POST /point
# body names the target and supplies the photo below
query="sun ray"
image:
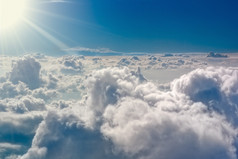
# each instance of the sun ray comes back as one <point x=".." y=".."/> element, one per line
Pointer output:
<point x="61" y="17"/>
<point x="70" y="19"/>
<point x="19" y="41"/>
<point x="54" y="31"/>
<point x="47" y="35"/>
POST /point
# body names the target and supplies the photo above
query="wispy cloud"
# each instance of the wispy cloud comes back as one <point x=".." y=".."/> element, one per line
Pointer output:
<point x="98" y="50"/>
<point x="101" y="51"/>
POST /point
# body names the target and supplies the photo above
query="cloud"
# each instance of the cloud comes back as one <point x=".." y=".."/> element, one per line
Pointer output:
<point x="69" y="126"/>
<point x="26" y="70"/>
<point x="71" y="64"/>
<point x="212" y="54"/>
<point x="107" y="86"/>
<point x="168" y="55"/>
<point x="135" y="58"/>
<point x="62" y="135"/>
<point x="149" y="123"/>
<point x="45" y="94"/>
<point x="124" y="62"/>
<point x="215" y="87"/>
<point x="9" y="146"/>
<point x="115" y="112"/>
<point x="142" y="131"/>
<point x="122" y="116"/>
<point x="22" y="105"/>
<point x="19" y="128"/>
<point x="101" y="51"/>
<point x="6" y="147"/>
<point x="9" y="90"/>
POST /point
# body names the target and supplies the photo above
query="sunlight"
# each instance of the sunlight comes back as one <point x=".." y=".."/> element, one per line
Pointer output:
<point x="47" y="35"/>
<point x="11" y="13"/>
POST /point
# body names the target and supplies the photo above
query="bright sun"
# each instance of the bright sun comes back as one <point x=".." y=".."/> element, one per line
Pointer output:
<point x="11" y="13"/>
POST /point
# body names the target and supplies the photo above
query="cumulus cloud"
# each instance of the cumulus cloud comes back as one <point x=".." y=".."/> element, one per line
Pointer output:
<point x="122" y="116"/>
<point x="9" y="90"/>
<point x="71" y="64"/>
<point x="22" y="105"/>
<point x="62" y="134"/>
<point x="107" y="86"/>
<point x="147" y="132"/>
<point x="212" y="54"/>
<point x="124" y="62"/>
<point x="6" y="147"/>
<point x="45" y="94"/>
<point x="135" y="58"/>
<point x="215" y="87"/>
<point x="60" y="108"/>
<point x="26" y="70"/>
<point x="18" y="129"/>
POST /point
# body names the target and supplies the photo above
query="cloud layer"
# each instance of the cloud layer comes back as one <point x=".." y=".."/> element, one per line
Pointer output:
<point x="62" y="109"/>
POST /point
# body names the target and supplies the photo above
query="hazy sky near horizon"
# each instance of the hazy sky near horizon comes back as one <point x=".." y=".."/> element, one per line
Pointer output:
<point x="125" y="26"/>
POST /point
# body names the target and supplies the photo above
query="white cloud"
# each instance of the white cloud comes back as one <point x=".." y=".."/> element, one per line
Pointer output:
<point x="107" y="86"/>
<point x="89" y="112"/>
<point x="103" y="51"/>
<point x="130" y="118"/>
<point x="124" y="62"/>
<point x="9" y="146"/>
<point x="6" y="147"/>
<point x="26" y="70"/>
<point x="45" y="94"/>
<point x="147" y="132"/>
<point x="71" y="64"/>
<point x="22" y="105"/>
<point x="9" y="90"/>
<point x="215" y="87"/>
<point x="64" y="131"/>
<point x="98" y="50"/>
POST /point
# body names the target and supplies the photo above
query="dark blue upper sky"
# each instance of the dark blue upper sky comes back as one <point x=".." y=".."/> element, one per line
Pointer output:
<point x="162" y="25"/>
<point x="132" y="25"/>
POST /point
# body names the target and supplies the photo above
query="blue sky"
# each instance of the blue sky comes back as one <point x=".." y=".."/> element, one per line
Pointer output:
<point x="154" y="26"/>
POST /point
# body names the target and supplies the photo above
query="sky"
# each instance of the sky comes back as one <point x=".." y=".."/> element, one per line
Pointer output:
<point x="55" y="104"/>
<point x="54" y="27"/>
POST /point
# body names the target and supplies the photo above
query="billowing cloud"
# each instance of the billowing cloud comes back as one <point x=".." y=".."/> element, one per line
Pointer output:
<point x="66" y="130"/>
<point x="9" y="90"/>
<point x="215" y="87"/>
<point x="131" y="118"/>
<point x="69" y="107"/>
<point x="26" y="70"/>
<point x="71" y="64"/>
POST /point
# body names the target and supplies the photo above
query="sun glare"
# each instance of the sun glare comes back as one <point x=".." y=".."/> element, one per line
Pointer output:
<point x="11" y="13"/>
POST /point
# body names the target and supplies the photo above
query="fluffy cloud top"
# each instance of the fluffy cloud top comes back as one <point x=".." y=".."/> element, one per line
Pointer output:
<point x="59" y="108"/>
<point x="134" y="119"/>
<point x="71" y="64"/>
<point x="26" y="70"/>
<point x="217" y="88"/>
<point x="9" y="90"/>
